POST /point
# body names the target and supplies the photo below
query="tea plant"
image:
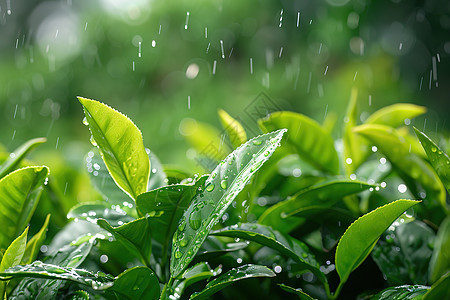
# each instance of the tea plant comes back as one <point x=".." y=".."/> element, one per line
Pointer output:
<point x="279" y="214"/>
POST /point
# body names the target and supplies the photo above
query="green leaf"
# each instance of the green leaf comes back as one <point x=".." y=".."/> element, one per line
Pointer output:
<point x="38" y="269"/>
<point x="403" y="252"/>
<point x="157" y="176"/>
<point x="440" y="259"/>
<point x="135" y="284"/>
<point x="396" y="114"/>
<point x="360" y="238"/>
<point x="19" y="192"/>
<point x="309" y="139"/>
<point x="410" y="167"/>
<point x="440" y="289"/>
<point x="12" y="257"/>
<point x="236" y="133"/>
<point x="35" y="243"/>
<point x="438" y="159"/>
<point x="134" y="235"/>
<point x="242" y="272"/>
<point x="285" y="244"/>
<point x="121" y="146"/>
<point x="16" y="157"/>
<point x="301" y="294"/>
<point x="165" y="206"/>
<point x="102" y="180"/>
<point x="222" y="186"/>
<point x="404" y="292"/>
<point x="194" y="274"/>
<point x="324" y="194"/>
<point x="99" y="210"/>
<point x="80" y="295"/>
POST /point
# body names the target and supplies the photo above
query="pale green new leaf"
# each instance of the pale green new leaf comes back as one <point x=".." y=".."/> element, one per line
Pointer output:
<point x="309" y="139"/>
<point x="92" y="211"/>
<point x="438" y="159"/>
<point x="35" y="243"/>
<point x="236" y="133"/>
<point x="396" y="114"/>
<point x="19" y="196"/>
<point x="18" y="154"/>
<point x="361" y="236"/>
<point x="121" y="145"/>
<point x="222" y="186"/>
<point x="242" y="272"/>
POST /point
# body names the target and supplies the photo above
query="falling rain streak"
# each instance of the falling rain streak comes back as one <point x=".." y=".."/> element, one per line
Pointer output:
<point x="281" y="18"/>
<point x="221" y="48"/>
<point x="139" y="53"/>
<point x="298" y="19"/>
<point x="187" y="21"/>
<point x="214" y="67"/>
<point x="251" y="65"/>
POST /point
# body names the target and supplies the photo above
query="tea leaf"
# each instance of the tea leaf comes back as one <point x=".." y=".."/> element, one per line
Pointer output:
<point x="360" y="238"/>
<point x="301" y="294"/>
<point x="158" y="177"/>
<point x="439" y="290"/>
<point x="407" y="292"/>
<point x="440" y="259"/>
<point x="222" y="186"/>
<point x="139" y="283"/>
<point x="14" y="160"/>
<point x="308" y="138"/>
<point x="242" y="272"/>
<point x="121" y="145"/>
<point x="19" y="192"/>
<point x="35" y="243"/>
<point x="99" y="210"/>
<point x="236" y="133"/>
<point x="396" y="114"/>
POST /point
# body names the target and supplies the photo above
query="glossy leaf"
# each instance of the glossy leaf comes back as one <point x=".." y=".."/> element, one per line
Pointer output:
<point x="102" y="180"/>
<point x="438" y="159"/>
<point x="134" y="235"/>
<point x="222" y="186"/>
<point x="80" y="295"/>
<point x="38" y="269"/>
<point x="301" y="294"/>
<point x="158" y="177"/>
<point x="404" y="292"/>
<point x="396" y="114"/>
<point x="19" y="195"/>
<point x="194" y="274"/>
<point x="35" y="243"/>
<point x="236" y="133"/>
<point x="13" y="256"/>
<point x="121" y="145"/>
<point x="440" y="259"/>
<point x="360" y="238"/>
<point x="324" y="194"/>
<point x="440" y="289"/>
<point x="409" y="166"/>
<point x="138" y="283"/>
<point x="18" y="155"/>
<point x="100" y="210"/>
<point x="242" y="272"/>
<point x="309" y="139"/>
<point x="165" y="206"/>
<point x="403" y="252"/>
<point x="285" y="244"/>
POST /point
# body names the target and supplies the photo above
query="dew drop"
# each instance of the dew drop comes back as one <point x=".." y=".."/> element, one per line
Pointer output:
<point x="195" y="219"/>
<point x="210" y="187"/>
<point x="433" y="149"/>
<point x="93" y="142"/>
<point x="85" y="121"/>
<point x="224" y="184"/>
<point x="257" y="142"/>
<point x="178" y="254"/>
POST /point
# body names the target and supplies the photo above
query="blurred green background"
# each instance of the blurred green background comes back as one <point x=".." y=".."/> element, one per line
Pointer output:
<point x="164" y="63"/>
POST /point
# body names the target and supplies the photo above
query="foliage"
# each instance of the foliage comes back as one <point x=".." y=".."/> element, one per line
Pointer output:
<point x="282" y="215"/>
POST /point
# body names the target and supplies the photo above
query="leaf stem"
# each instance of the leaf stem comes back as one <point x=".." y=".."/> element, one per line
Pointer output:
<point x="164" y="291"/>
<point x="338" y="290"/>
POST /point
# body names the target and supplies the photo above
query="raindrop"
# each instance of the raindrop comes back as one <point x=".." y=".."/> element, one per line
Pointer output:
<point x="277" y="269"/>
<point x="93" y="142"/>
<point x="104" y="258"/>
<point x="402" y="188"/>
<point x="210" y="187"/>
<point x="224" y="184"/>
<point x="153" y="43"/>
<point x="382" y="160"/>
<point x="256" y="142"/>
<point x="348" y="161"/>
<point x="195" y="219"/>
<point x="85" y="121"/>
<point x="374" y="148"/>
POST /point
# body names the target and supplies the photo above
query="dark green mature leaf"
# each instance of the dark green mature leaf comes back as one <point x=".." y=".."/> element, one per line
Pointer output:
<point x="409" y="166"/>
<point x="403" y="253"/>
<point x="19" y="196"/>
<point x="285" y="244"/>
<point x="360" y="238"/>
<point x="222" y="186"/>
<point x="440" y="259"/>
<point x="242" y="272"/>
<point x="301" y="294"/>
<point x="309" y="139"/>
<point x="323" y="194"/>
<point x="396" y="114"/>
<point x="13" y="256"/>
<point x="121" y="145"/>
<point x="80" y="295"/>
<point x="35" y="243"/>
<point x="102" y="180"/>
<point x="236" y="133"/>
<point x="165" y="206"/>
<point x="100" y="210"/>
<point x="38" y="269"/>
<point x="196" y="273"/>
<point x="16" y="157"/>
<point x="440" y="289"/>
<point x="404" y="292"/>
<point x="438" y="159"/>
<point x="138" y="283"/>
<point x="134" y="235"/>
<point x="158" y="177"/>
